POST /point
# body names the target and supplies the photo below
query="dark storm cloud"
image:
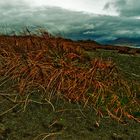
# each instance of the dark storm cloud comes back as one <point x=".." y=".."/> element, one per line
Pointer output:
<point x="129" y="8"/>
<point x="66" y="23"/>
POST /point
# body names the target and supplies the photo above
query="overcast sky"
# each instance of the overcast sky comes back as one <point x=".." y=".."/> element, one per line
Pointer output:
<point x="109" y="7"/>
<point x="92" y="6"/>
<point x="99" y="18"/>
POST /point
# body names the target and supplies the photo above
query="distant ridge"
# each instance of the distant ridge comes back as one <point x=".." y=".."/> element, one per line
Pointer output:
<point x="88" y="45"/>
<point x="131" y="42"/>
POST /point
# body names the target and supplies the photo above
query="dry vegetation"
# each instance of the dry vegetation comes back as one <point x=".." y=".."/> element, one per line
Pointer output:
<point x="55" y="68"/>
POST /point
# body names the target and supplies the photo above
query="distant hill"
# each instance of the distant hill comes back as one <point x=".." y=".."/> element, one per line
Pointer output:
<point x="88" y="45"/>
<point x="131" y="42"/>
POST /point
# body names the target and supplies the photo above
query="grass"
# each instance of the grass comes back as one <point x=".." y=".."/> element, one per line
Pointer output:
<point x="45" y="66"/>
<point x="57" y="71"/>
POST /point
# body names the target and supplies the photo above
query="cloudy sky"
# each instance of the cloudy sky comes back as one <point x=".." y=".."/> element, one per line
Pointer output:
<point x="92" y="6"/>
<point x="97" y="19"/>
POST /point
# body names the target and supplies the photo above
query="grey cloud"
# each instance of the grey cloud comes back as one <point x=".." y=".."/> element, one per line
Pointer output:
<point x="129" y="8"/>
<point x="76" y="25"/>
<point x="6" y="5"/>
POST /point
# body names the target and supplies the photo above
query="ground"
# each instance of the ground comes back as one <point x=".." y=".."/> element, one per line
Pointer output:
<point x="65" y="120"/>
<point x="68" y="121"/>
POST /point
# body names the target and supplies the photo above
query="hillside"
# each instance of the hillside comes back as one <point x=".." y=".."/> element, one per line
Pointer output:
<point x="56" y="88"/>
<point x="132" y="42"/>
